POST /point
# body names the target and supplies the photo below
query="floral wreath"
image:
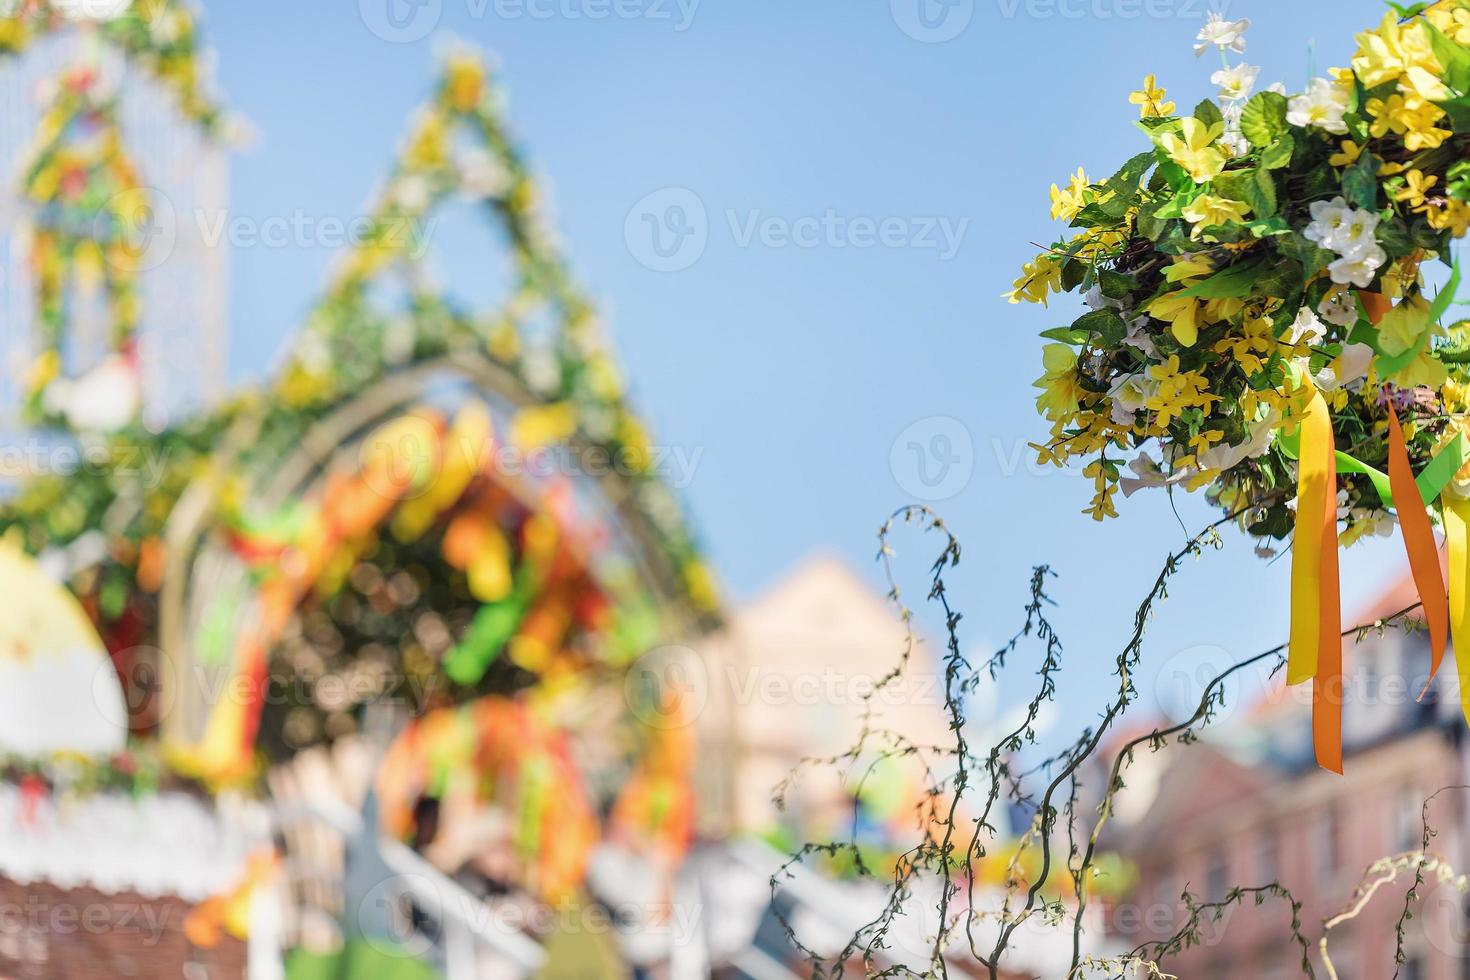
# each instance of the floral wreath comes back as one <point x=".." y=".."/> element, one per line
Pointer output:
<point x="1259" y="317"/>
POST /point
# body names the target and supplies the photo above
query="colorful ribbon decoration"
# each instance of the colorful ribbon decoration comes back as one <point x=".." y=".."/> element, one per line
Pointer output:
<point x="1315" y="650"/>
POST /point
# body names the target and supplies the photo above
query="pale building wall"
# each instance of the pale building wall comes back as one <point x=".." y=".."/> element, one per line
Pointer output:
<point x="790" y="674"/>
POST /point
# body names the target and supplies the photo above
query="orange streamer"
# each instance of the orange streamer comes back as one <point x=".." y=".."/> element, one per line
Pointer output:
<point x="1419" y="542"/>
<point x="1327" y="686"/>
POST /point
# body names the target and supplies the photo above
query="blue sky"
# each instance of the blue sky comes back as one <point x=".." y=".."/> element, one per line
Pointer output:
<point x="830" y="148"/>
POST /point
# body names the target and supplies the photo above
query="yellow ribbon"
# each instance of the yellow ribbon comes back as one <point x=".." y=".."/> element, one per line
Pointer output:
<point x="1315" y="650"/>
<point x="1316" y="527"/>
<point x="1457" y="536"/>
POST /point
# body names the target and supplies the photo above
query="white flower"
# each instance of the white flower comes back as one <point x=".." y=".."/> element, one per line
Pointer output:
<point x="1328" y="219"/>
<point x="1352" y="364"/>
<point x="1221" y="33"/>
<point x="1342" y="228"/>
<point x="1128" y="396"/>
<point x="1323" y="106"/>
<point x="1358" y="233"/>
<point x="1221" y="457"/>
<point x="1278" y="87"/>
<point x="1147" y="474"/>
<point x="481" y="175"/>
<point x="1306" y="328"/>
<point x="1236" y="83"/>
<point x="1138" y="337"/>
<point x="411" y="193"/>
<point x="1358" y="267"/>
<point x="1338" y="308"/>
<point x="1095" y="299"/>
<point x="1235" y="143"/>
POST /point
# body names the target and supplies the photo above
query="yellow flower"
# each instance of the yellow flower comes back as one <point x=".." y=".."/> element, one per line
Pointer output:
<point x="1347" y="156"/>
<point x="1412" y="118"/>
<point x="1187" y="270"/>
<point x="1150" y="99"/>
<point x="1182" y="313"/>
<point x="1061" y="391"/>
<point x="1417" y="83"/>
<point x="1415" y="187"/>
<point x="1195" y="150"/>
<point x="1177" y="391"/>
<point x="1454" y="215"/>
<point x="1402" y="326"/>
<point x="1066" y="203"/>
<point x="1453" y="24"/>
<point x="1037" y="277"/>
<point x="1251" y="346"/>
<point x="1207" y="210"/>
<point x="1424" y="371"/>
<point x="1385" y="54"/>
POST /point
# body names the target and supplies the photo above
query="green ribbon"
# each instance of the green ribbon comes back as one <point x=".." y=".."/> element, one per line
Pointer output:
<point x="1431" y="481"/>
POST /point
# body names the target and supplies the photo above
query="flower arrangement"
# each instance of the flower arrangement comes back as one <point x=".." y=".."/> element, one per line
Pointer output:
<point x="160" y="36"/>
<point x="1259" y="323"/>
<point x="86" y="197"/>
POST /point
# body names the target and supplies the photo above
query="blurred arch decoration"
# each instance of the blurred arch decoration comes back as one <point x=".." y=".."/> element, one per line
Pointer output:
<point x="295" y="521"/>
<point x="348" y="379"/>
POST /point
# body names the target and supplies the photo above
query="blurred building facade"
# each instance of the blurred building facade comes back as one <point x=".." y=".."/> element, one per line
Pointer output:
<point x="1247" y="806"/>
<point x="791" y="674"/>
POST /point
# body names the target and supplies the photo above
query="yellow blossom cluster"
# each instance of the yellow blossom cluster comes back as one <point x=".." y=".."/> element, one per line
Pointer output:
<point x="1403" y="53"/>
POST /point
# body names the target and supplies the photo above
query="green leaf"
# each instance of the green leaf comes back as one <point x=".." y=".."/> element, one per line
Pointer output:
<point x="1360" y="182"/>
<point x="1269" y="227"/>
<point x="1319" y="183"/>
<point x="1174" y="207"/>
<point x="1231" y="282"/>
<point x="1280" y="278"/>
<point x="1067" y="335"/>
<point x="1094" y="216"/>
<point x="1208" y="112"/>
<point x="1454" y="57"/>
<point x="1121" y="189"/>
<point x="1115" y="285"/>
<point x="1394" y="237"/>
<point x="1233" y="184"/>
<point x="1278" y="154"/>
<point x="1073" y="273"/>
<point x="1459" y="112"/>
<point x="1261" y="194"/>
<point x="1446" y="295"/>
<point x="1263" y="120"/>
<point x="1106" y="324"/>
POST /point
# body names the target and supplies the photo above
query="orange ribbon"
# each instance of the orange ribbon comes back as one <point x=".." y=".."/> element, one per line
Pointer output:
<point x="1418" y="542"/>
